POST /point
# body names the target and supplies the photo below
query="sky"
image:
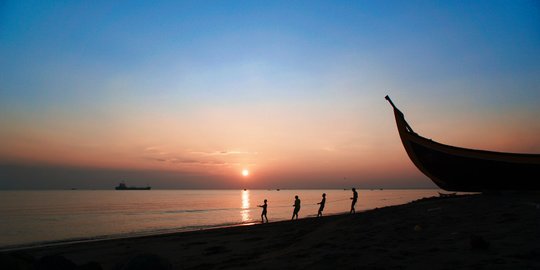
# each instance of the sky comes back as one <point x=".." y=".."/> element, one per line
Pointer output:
<point x="187" y="94"/>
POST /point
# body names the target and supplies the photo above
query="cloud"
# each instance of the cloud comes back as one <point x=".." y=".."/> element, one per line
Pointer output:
<point x="155" y="159"/>
<point x="155" y="150"/>
<point x="223" y="153"/>
<point x="190" y="161"/>
<point x="194" y="158"/>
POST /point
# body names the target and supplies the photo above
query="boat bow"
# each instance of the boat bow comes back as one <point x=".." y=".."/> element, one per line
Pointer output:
<point x="461" y="169"/>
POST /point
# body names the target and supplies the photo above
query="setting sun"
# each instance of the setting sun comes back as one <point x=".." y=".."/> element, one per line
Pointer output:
<point x="245" y="172"/>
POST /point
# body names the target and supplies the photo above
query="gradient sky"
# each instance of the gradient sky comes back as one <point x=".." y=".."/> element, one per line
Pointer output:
<point x="185" y="94"/>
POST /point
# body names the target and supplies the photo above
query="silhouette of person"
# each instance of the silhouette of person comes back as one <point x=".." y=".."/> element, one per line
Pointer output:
<point x="321" y="208"/>
<point x="263" y="214"/>
<point x="354" y="198"/>
<point x="296" y="207"/>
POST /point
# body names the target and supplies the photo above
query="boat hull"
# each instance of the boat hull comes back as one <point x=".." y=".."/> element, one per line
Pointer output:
<point x="123" y="186"/>
<point x="133" y="188"/>
<point x="466" y="172"/>
<point x="469" y="170"/>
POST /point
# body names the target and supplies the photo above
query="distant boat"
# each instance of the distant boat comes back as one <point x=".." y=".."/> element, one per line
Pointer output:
<point x="122" y="186"/>
<point x="469" y="170"/>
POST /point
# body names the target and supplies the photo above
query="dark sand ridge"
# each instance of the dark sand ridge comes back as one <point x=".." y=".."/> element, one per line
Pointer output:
<point x="473" y="232"/>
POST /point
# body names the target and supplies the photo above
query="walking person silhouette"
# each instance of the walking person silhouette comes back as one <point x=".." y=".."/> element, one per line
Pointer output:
<point x="263" y="214"/>
<point x="321" y="208"/>
<point x="296" y="207"/>
<point x="354" y="198"/>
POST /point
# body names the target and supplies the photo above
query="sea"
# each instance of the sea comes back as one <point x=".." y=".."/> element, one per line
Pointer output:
<point x="36" y="218"/>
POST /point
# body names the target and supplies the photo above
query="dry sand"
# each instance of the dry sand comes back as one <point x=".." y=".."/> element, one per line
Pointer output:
<point x="471" y="232"/>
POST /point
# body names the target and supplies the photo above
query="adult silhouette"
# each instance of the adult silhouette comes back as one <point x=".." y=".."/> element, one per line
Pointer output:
<point x="296" y="207"/>
<point x="321" y="207"/>
<point x="354" y="198"/>
<point x="263" y="214"/>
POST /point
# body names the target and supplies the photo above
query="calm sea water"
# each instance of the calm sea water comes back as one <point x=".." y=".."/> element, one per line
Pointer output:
<point x="37" y="217"/>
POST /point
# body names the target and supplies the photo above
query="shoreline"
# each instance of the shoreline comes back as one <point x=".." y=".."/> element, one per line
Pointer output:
<point x="466" y="231"/>
<point x="164" y="232"/>
<point x="53" y="243"/>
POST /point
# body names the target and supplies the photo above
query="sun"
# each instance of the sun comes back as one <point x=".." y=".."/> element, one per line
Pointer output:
<point x="245" y="172"/>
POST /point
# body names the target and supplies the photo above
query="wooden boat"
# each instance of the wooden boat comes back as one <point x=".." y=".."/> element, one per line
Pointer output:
<point x="460" y="169"/>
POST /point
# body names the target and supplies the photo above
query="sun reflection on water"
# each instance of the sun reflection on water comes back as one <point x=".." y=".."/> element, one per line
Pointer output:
<point x="245" y="212"/>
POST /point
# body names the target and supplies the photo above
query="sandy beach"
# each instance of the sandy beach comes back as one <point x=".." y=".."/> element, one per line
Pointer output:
<point x="471" y="231"/>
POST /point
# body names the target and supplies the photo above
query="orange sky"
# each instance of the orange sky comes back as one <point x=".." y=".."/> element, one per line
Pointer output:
<point x="289" y="146"/>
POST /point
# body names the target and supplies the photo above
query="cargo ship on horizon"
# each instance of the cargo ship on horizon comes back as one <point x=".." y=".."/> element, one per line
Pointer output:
<point x="123" y="186"/>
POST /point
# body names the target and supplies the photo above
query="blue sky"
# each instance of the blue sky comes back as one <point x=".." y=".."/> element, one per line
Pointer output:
<point x="414" y="40"/>
<point x="76" y="73"/>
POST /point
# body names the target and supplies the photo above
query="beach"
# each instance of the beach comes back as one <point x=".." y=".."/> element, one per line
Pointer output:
<point x="499" y="231"/>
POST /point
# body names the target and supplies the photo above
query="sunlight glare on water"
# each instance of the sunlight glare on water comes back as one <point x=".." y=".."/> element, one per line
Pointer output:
<point x="245" y="207"/>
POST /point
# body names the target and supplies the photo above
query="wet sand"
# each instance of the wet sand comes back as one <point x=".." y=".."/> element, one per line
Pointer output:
<point x="472" y="232"/>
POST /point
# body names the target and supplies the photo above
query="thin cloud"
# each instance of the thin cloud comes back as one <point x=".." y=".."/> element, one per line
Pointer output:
<point x="155" y="150"/>
<point x="223" y="153"/>
<point x="189" y="161"/>
<point x="156" y="159"/>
